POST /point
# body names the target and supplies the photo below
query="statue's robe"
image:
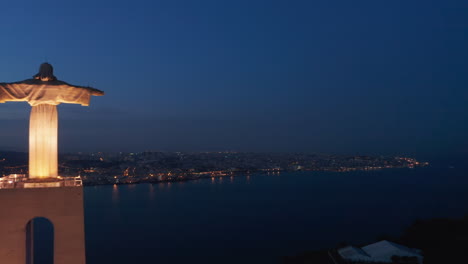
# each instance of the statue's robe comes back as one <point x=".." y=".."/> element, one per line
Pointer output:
<point x="44" y="96"/>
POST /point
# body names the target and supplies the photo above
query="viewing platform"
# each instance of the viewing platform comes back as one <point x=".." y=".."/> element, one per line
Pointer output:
<point x="20" y="181"/>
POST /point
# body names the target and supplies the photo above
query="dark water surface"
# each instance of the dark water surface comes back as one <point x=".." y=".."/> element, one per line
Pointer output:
<point x="255" y="219"/>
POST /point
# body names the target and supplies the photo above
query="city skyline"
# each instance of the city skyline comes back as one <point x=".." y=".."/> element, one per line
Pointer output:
<point x="386" y="78"/>
<point x="264" y="131"/>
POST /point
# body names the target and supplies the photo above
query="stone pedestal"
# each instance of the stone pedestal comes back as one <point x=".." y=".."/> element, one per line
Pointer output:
<point x="63" y="206"/>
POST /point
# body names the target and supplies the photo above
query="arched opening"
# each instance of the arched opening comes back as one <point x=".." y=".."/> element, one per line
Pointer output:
<point x="39" y="241"/>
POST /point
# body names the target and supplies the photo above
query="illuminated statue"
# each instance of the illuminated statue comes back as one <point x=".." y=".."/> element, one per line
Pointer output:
<point x="44" y="93"/>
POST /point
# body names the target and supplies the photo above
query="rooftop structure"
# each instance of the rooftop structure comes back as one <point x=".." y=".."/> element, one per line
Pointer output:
<point x="380" y="252"/>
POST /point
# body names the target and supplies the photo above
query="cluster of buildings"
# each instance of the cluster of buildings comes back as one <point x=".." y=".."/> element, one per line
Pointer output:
<point x="121" y="168"/>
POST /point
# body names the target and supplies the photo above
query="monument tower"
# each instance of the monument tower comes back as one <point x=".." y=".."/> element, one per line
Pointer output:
<point x="43" y="193"/>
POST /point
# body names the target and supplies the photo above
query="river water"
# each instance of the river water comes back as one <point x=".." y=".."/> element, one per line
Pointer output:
<point x="257" y="218"/>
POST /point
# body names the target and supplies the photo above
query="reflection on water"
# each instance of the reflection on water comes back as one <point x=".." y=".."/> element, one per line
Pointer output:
<point x="151" y="191"/>
<point x="115" y="193"/>
<point x="161" y="186"/>
<point x="263" y="216"/>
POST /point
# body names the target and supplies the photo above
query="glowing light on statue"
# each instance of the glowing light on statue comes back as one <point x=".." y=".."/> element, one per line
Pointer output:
<point x="44" y="93"/>
<point x="43" y="133"/>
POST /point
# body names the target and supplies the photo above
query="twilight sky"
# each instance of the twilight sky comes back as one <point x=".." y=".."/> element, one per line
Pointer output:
<point x="385" y="77"/>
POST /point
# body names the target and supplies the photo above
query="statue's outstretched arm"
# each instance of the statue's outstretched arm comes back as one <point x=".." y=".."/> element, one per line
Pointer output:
<point x="90" y="90"/>
<point x="51" y="92"/>
<point x="13" y="92"/>
<point x="74" y="94"/>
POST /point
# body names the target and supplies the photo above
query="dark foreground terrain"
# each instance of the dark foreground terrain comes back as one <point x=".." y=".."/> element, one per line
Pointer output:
<point x="442" y="241"/>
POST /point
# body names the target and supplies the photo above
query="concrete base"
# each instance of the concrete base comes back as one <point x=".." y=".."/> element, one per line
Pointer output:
<point x="63" y="206"/>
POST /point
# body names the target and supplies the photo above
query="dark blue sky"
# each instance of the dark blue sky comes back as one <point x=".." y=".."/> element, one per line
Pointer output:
<point x="387" y="77"/>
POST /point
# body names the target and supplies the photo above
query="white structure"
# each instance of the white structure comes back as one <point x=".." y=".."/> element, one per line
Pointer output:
<point x="382" y="251"/>
<point x="44" y="93"/>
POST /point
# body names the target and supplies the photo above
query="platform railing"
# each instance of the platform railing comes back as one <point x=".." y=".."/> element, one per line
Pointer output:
<point x="14" y="181"/>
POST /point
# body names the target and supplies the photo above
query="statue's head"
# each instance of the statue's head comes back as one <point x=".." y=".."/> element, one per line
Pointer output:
<point x="46" y="73"/>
